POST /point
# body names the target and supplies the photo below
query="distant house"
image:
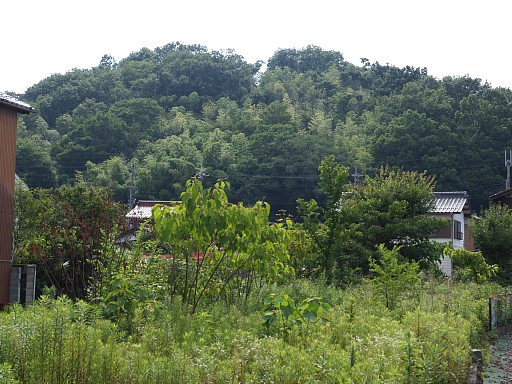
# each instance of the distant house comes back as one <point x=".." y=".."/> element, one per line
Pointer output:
<point x="453" y="206"/>
<point x="10" y="107"/>
<point x="143" y="211"/>
<point x="139" y="214"/>
<point x="504" y="197"/>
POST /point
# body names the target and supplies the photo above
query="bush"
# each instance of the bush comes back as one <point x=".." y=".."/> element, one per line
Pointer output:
<point x="7" y="375"/>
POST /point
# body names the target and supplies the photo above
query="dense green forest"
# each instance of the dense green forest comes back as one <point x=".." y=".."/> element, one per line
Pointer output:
<point x="183" y="110"/>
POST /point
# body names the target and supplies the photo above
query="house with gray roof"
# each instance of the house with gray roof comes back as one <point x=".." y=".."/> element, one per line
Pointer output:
<point x="503" y="197"/>
<point x="454" y="207"/>
<point x="142" y="212"/>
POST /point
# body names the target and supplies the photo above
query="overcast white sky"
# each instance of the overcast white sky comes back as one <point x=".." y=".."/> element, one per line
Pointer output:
<point x="449" y="37"/>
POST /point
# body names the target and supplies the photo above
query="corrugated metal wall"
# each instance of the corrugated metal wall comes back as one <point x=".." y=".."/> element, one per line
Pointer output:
<point x="8" y="120"/>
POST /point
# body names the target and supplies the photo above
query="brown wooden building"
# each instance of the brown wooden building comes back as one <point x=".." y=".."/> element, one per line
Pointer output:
<point x="10" y="107"/>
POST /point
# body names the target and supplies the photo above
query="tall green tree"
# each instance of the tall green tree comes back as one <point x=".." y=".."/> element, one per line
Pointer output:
<point x="140" y="78"/>
<point x="210" y="74"/>
<point x="164" y="166"/>
<point x="389" y="210"/>
<point x="492" y="231"/>
<point x="220" y="250"/>
<point x="142" y="121"/>
<point x="312" y="58"/>
<point x="393" y="209"/>
<point x="94" y="137"/>
<point x="324" y="224"/>
<point x="113" y="174"/>
<point x="281" y="172"/>
<point x="417" y="143"/>
<point x="61" y="93"/>
<point x="34" y="163"/>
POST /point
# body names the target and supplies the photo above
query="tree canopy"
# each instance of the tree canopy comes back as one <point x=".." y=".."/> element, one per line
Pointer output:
<point x="492" y="233"/>
<point x="388" y="211"/>
<point x="180" y="110"/>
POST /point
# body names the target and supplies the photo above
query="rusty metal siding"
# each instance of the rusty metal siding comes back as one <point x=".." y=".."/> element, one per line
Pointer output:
<point x="8" y="121"/>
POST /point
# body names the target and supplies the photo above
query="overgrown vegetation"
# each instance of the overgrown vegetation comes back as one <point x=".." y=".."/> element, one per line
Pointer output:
<point x="390" y="210"/>
<point x="423" y="339"/>
<point x="219" y="250"/>
<point x="64" y="231"/>
<point x="208" y="294"/>
<point x="492" y="231"/>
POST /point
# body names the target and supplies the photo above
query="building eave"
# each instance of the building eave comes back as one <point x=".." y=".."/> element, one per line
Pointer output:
<point x="451" y="202"/>
<point x="11" y="102"/>
<point x="500" y="194"/>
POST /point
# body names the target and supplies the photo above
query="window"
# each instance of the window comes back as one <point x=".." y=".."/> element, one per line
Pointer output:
<point x="457" y="230"/>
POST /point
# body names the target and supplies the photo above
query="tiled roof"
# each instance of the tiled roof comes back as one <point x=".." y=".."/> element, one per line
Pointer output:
<point x="12" y="102"/>
<point x="143" y="208"/>
<point x="450" y="202"/>
<point x="504" y="193"/>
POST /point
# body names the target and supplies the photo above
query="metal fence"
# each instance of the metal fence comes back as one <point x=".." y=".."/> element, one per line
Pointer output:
<point x="500" y="313"/>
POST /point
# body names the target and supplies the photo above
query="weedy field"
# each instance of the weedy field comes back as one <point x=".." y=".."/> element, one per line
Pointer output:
<point x="302" y="332"/>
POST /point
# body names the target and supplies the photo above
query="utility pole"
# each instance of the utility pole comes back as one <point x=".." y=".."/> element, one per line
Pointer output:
<point x="131" y="187"/>
<point x="200" y="174"/>
<point x="508" y="164"/>
<point x="356" y="175"/>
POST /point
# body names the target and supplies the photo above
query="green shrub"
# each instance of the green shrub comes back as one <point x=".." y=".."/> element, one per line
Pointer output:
<point x="393" y="279"/>
<point x="445" y="348"/>
<point x="7" y="375"/>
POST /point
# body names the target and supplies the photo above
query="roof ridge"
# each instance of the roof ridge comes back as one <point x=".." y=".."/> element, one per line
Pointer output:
<point x="14" y="102"/>
<point x="451" y="192"/>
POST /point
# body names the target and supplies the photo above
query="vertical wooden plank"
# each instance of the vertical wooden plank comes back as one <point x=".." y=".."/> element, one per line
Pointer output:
<point x="8" y="121"/>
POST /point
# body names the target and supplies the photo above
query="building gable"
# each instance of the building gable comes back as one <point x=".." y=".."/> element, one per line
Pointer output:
<point x="9" y="109"/>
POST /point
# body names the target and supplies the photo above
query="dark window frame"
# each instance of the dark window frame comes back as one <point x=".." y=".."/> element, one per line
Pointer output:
<point x="457" y="230"/>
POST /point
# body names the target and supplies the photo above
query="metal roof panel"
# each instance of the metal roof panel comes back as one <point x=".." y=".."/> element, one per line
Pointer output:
<point x="143" y="209"/>
<point x="15" y="103"/>
<point x="450" y="202"/>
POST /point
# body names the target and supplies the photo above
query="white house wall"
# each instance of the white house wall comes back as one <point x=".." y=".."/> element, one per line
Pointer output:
<point x="446" y="263"/>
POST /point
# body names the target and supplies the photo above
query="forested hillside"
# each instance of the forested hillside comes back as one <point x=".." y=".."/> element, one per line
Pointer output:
<point x="183" y="110"/>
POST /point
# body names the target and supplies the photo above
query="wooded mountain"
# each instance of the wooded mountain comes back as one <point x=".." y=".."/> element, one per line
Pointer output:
<point x="183" y="110"/>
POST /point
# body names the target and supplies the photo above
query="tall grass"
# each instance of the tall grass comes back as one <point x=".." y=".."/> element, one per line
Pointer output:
<point x="425" y="339"/>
